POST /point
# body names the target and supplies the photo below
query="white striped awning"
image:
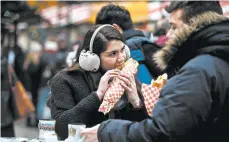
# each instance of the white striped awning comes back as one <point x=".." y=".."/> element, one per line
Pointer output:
<point x="63" y="15"/>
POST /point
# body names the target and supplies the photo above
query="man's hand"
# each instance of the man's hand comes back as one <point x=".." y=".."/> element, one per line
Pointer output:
<point x="90" y="134"/>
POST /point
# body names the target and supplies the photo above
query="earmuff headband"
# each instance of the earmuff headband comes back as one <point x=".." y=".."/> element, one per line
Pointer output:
<point x="95" y="33"/>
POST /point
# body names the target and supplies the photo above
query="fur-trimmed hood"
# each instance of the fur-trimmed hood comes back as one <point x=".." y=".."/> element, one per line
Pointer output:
<point x="208" y="33"/>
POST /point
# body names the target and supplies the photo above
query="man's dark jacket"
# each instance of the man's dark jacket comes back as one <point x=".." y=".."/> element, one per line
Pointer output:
<point x="194" y="103"/>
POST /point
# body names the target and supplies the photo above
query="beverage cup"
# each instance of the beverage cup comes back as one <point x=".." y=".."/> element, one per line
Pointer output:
<point x="74" y="132"/>
<point x="47" y="130"/>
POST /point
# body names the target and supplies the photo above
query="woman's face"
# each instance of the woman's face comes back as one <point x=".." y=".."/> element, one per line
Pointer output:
<point x="113" y="56"/>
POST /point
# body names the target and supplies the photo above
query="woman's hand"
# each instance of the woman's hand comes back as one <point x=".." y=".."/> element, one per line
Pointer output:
<point x="129" y="84"/>
<point x="90" y="134"/>
<point x="103" y="84"/>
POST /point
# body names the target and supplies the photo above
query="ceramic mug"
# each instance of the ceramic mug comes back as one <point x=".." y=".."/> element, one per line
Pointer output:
<point x="74" y="132"/>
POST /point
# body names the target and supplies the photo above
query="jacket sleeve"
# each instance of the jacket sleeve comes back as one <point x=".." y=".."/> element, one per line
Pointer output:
<point x="183" y="105"/>
<point x="64" y="107"/>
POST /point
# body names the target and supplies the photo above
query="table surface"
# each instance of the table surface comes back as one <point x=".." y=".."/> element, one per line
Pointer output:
<point x="18" y="139"/>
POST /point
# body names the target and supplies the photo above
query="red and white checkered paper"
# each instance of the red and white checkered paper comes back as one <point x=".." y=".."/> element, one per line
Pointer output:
<point x="115" y="91"/>
<point x="151" y="95"/>
<point x="151" y="92"/>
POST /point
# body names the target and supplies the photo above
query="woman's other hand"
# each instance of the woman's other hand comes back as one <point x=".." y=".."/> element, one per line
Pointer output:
<point x="129" y="84"/>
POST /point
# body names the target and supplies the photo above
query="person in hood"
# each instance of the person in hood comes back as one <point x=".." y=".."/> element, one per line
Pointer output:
<point x="194" y="104"/>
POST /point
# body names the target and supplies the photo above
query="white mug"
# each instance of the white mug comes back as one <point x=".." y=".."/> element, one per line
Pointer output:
<point x="47" y="130"/>
<point x="74" y="132"/>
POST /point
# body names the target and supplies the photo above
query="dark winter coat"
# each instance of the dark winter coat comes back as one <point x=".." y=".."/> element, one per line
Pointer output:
<point x="6" y="96"/>
<point x="194" y="103"/>
<point x="74" y="100"/>
<point x="7" y="100"/>
<point x="22" y="75"/>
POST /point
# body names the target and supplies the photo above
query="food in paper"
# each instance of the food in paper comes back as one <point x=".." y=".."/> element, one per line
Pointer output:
<point x="115" y="90"/>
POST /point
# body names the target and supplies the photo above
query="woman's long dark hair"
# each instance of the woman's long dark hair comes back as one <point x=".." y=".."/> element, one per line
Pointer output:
<point x="101" y="40"/>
